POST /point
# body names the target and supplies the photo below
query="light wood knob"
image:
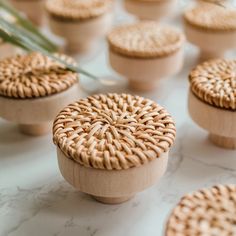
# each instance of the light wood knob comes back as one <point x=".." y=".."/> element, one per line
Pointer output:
<point x="112" y="146"/>
<point x="81" y="36"/>
<point x="220" y="123"/>
<point x="214" y="36"/>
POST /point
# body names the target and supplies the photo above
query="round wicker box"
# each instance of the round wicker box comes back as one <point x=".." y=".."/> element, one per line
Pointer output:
<point x="212" y="100"/>
<point x="113" y="146"/>
<point x="81" y="23"/>
<point x="210" y="211"/>
<point x="33" y="89"/>
<point x="145" y="52"/>
<point x="212" y="28"/>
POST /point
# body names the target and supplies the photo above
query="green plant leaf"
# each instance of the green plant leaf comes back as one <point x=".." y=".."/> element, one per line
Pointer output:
<point x="31" y="30"/>
<point x="10" y="39"/>
<point x="26" y="36"/>
<point x="16" y="36"/>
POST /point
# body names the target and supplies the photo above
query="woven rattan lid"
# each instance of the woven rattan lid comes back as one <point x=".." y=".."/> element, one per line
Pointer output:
<point x="77" y="9"/>
<point x="214" y="82"/>
<point x="212" y="17"/>
<point x="208" y="212"/>
<point x="145" y="40"/>
<point x="32" y="76"/>
<point x="113" y="131"/>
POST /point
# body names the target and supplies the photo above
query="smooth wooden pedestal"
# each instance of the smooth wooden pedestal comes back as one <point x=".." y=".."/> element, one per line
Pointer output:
<point x="141" y="86"/>
<point x="205" y="55"/>
<point x="143" y="74"/>
<point x="33" y="9"/>
<point x="35" y="116"/>
<point x="112" y="201"/>
<point x="211" y="44"/>
<point x="111" y="186"/>
<point x="78" y="48"/>
<point x="36" y="129"/>
<point x="225" y="142"/>
<point x="151" y="10"/>
<point x="220" y="123"/>
<point x="80" y="36"/>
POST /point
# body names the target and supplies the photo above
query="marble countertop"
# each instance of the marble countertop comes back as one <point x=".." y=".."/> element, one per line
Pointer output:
<point x="36" y="200"/>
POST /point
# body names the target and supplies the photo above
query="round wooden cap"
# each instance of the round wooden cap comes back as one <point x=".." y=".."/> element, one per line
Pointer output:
<point x="77" y="10"/>
<point x="212" y="17"/>
<point x="214" y="82"/>
<point x="32" y="76"/>
<point x="210" y="212"/>
<point x="145" y="40"/>
<point x="113" y="131"/>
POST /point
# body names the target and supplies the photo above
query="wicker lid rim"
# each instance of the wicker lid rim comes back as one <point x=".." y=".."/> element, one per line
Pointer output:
<point x="146" y="40"/>
<point x="108" y="143"/>
<point x="211" y="17"/>
<point x="186" y="204"/>
<point x="66" y="12"/>
<point x="214" y="82"/>
<point x="33" y="76"/>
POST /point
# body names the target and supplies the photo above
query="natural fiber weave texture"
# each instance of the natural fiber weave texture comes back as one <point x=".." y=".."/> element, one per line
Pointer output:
<point x="214" y="82"/>
<point x="212" y="17"/>
<point x="77" y="10"/>
<point x="32" y="76"/>
<point x="208" y="212"/>
<point x="145" y="40"/>
<point x="113" y="131"/>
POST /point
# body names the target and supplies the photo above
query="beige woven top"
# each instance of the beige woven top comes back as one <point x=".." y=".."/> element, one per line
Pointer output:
<point x="212" y="17"/>
<point x="32" y="76"/>
<point x="214" y="82"/>
<point x="208" y="212"/>
<point x="77" y="9"/>
<point x="145" y="40"/>
<point x="113" y="131"/>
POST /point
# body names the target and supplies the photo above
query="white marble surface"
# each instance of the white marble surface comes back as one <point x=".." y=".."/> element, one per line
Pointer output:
<point x="35" y="199"/>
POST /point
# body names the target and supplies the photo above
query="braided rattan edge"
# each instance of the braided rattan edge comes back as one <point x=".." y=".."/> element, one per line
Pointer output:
<point x="157" y="53"/>
<point x="197" y="194"/>
<point x="120" y="163"/>
<point x="34" y="75"/>
<point x="215" y="98"/>
<point x="70" y="17"/>
<point x="207" y="28"/>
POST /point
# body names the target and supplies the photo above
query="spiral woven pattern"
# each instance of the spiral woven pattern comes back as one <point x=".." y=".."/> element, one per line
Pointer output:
<point x="208" y="212"/>
<point x="212" y="17"/>
<point x="145" y="40"/>
<point x="214" y="82"/>
<point x="77" y="10"/>
<point x="113" y="131"/>
<point x="33" y="76"/>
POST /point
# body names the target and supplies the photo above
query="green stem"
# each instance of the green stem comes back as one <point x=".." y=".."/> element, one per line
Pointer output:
<point x="29" y="27"/>
<point x="18" y="38"/>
